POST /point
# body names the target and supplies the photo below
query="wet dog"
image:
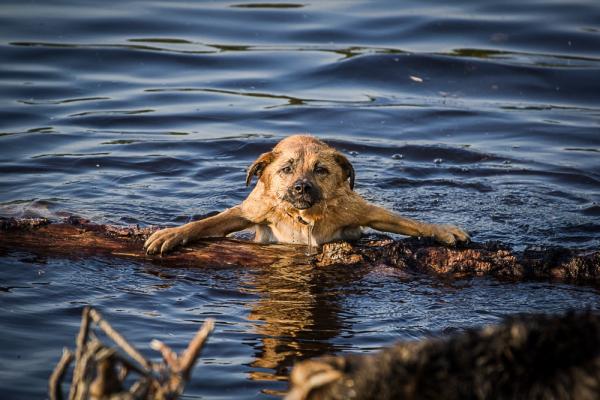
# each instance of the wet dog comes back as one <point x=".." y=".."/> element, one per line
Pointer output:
<point x="304" y="194"/>
<point x="526" y="357"/>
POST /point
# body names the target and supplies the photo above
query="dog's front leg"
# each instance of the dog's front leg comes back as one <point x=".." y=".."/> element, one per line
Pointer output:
<point x="383" y="220"/>
<point x="231" y="220"/>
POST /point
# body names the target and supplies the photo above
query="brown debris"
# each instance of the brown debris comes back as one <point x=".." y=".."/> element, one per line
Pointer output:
<point x="526" y="357"/>
<point x="77" y="236"/>
<point x="100" y="371"/>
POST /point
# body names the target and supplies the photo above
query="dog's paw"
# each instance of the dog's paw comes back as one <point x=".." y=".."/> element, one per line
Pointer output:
<point x="166" y="239"/>
<point x="450" y="234"/>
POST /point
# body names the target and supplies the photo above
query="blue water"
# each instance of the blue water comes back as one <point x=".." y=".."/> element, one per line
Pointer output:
<point x="484" y="114"/>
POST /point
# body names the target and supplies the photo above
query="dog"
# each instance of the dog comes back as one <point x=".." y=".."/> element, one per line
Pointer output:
<point x="525" y="357"/>
<point x="304" y="195"/>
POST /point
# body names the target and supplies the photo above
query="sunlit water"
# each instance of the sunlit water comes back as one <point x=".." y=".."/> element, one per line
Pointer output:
<point x="484" y="114"/>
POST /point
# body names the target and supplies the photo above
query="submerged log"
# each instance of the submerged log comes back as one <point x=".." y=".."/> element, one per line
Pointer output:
<point x="527" y="357"/>
<point x="79" y="237"/>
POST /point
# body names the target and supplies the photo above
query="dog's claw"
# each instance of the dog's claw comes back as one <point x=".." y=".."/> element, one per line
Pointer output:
<point x="164" y="240"/>
<point x="450" y="234"/>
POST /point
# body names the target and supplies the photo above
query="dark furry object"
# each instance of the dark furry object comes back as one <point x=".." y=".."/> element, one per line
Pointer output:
<point x="526" y="357"/>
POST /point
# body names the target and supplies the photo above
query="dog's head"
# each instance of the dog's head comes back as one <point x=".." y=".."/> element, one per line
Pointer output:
<point x="303" y="171"/>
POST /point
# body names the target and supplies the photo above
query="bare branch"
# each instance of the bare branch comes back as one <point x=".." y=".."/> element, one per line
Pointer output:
<point x="58" y="375"/>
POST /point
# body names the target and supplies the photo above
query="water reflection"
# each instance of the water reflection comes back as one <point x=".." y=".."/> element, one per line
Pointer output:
<point x="299" y="313"/>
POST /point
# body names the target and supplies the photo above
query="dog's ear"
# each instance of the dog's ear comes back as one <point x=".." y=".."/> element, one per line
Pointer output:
<point x="256" y="169"/>
<point x="347" y="168"/>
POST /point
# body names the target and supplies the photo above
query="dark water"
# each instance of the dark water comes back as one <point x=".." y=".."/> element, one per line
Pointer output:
<point x="485" y="114"/>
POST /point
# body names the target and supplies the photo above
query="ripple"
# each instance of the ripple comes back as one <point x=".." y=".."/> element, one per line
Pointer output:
<point x="403" y="182"/>
<point x="267" y="5"/>
<point x="64" y="101"/>
<point x="591" y="210"/>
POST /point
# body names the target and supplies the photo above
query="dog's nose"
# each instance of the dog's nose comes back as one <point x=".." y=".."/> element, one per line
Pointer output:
<point x="302" y="186"/>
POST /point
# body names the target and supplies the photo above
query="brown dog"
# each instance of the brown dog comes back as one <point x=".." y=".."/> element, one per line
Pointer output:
<point x="304" y="194"/>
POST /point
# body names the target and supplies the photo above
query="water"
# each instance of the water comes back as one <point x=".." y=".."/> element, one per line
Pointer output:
<point x="484" y="114"/>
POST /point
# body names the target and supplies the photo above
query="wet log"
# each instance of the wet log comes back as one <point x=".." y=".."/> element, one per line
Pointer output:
<point x="78" y="237"/>
<point x="75" y="236"/>
<point x="473" y="259"/>
<point x="526" y="357"/>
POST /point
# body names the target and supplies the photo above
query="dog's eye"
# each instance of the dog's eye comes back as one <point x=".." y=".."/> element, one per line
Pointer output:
<point x="287" y="170"/>
<point x="321" y="170"/>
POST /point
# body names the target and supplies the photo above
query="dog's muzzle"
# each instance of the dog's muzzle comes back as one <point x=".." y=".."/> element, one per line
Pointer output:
<point x="302" y="194"/>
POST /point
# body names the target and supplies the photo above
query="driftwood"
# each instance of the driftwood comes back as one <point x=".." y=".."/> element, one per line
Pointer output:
<point x="101" y="371"/>
<point x="76" y="236"/>
<point x="79" y="237"/>
<point x="527" y="357"/>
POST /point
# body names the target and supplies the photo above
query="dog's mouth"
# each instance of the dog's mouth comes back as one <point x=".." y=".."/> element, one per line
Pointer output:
<point x="302" y="201"/>
<point x="302" y="204"/>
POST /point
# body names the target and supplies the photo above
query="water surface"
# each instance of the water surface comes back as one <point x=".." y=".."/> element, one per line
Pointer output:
<point x="483" y="114"/>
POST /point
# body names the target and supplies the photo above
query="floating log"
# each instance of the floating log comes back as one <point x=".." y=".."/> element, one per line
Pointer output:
<point x="120" y="372"/>
<point x="79" y="237"/>
<point x="526" y="357"/>
<point x="473" y="259"/>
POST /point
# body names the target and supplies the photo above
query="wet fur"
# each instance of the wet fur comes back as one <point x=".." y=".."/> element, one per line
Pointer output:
<point x="330" y="211"/>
